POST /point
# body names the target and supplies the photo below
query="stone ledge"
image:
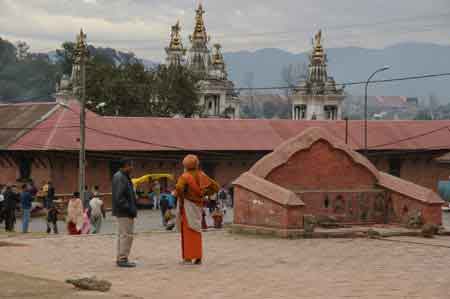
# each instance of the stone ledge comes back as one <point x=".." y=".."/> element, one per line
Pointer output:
<point x="352" y="232"/>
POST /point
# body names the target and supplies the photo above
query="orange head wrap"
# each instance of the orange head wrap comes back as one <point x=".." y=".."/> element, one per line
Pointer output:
<point x="190" y="162"/>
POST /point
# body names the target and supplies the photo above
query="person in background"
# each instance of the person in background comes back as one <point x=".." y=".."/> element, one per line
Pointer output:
<point x="33" y="190"/>
<point x="75" y="215"/>
<point x="52" y="219"/>
<point x="97" y="211"/>
<point x="173" y="199"/>
<point x="170" y="220"/>
<point x="164" y="206"/>
<point x="25" y="203"/>
<point x="156" y="193"/>
<point x="231" y="193"/>
<point x="87" y="197"/>
<point x="9" y="208"/>
<point x="124" y="208"/>
<point x="86" y="227"/>
<point x="222" y="196"/>
<point x="50" y="195"/>
<point x="95" y="189"/>
<point x="191" y="189"/>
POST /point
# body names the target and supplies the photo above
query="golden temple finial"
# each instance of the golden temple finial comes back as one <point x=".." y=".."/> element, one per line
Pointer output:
<point x="200" y="29"/>
<point x="217" y="57"/>
<point x="175" y="38"/>
<point x="318" y="55"/>
<point x="318" y="38"/>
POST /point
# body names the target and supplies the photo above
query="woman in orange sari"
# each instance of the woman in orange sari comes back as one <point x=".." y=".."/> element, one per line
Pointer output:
<point x="192" y="187"/>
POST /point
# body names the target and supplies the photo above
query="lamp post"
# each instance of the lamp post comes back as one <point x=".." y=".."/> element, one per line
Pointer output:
<point x="385" y="68"/>
<point x="81" y="53"/>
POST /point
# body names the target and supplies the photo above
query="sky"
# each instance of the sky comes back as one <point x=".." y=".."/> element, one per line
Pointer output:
<point x="143" y="26"/>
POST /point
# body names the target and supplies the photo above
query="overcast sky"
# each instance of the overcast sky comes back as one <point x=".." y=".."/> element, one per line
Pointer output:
<point x="142" y="26"/>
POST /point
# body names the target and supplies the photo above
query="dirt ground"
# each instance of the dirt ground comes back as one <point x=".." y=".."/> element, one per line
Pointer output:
<point x="235" y="266"/>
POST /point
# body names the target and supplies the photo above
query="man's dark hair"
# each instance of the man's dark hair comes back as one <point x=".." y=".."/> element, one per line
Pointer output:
<point x="124" y="162"/>
<point x="76" y="194"/>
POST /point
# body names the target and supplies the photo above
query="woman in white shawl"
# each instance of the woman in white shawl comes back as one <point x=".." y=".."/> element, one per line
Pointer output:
<point x="75" y="215"/>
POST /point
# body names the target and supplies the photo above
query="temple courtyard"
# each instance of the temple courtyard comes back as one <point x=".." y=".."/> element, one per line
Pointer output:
<point x="235" y="266"/>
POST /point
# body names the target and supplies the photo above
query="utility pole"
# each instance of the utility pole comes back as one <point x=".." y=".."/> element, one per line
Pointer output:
<point x="81" y="54"/>
<point x="366" y="148"/>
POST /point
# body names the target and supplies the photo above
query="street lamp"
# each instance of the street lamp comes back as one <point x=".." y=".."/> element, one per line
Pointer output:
<point x="385" y="68"/>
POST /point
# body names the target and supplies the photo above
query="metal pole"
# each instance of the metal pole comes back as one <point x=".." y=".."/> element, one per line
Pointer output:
<point x="366" y="148"/>
<point x="82" y="154"/>
<point x="346" y="130"/>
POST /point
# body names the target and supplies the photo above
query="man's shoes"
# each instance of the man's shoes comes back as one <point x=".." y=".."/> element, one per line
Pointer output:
<point x="197" y="262"/>
<point x="126" y="264"/>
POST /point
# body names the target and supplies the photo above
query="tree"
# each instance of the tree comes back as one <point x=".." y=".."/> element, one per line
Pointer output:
<point x="25" y="79"/>
<point x="176" y="92"/>
<point x="270" y="109"/>
<point x="131" y="90"/>
<point x="292" y="74"/>
<point x="22" y="50"/>
<point x="7" y="53"/>
<point x="65" y="57"/>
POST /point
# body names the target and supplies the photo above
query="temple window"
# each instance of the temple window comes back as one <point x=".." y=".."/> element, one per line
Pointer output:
<point x="300" y="112"/>
<point x="330" y="112"/>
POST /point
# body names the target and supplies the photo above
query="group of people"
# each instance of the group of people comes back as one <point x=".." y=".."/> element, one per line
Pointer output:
<point x="184" y="208"/>
<point x="12" y="199"/>
<point x="85" y="216"/>
<point x="192" y="188"/>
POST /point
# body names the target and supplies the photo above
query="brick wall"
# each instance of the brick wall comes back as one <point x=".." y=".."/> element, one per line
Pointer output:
<point x="404" y="206"/>
<point x="253" y="209"/>
<point x="321" y="167"/>
<point x="420" y="169"/>
<point x="356" y="207"/>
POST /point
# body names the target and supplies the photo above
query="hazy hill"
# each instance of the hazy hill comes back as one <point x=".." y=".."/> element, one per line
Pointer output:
<point x="354" y="64"/>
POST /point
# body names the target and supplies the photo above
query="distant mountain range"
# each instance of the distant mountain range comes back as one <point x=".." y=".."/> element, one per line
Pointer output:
<point x="354" y="64"/>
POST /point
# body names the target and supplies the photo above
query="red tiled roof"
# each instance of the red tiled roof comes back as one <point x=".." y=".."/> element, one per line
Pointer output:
<point x="17" y="119"/>
<point x="60" y="131"/>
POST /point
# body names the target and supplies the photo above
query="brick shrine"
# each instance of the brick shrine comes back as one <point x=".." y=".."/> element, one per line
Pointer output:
<point x="314" y="174"/>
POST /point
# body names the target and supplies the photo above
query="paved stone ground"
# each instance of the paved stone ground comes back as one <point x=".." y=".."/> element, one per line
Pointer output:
<point x="148" y="220"/>
<point x="17" y="286"/>
<point x="238" y="266"/>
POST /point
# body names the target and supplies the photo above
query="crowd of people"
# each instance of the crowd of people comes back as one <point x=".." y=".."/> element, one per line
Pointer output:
<point x="15" y="201"/>
<point x="194" y="195"/>
<point x="87" y="216"/>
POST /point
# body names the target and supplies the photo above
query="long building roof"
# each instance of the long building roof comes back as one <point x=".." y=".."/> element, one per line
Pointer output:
<point x="60" y="131"/>
<point x="18" y="119"/>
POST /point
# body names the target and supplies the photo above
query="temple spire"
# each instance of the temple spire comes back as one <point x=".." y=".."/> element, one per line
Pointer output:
<point x="175" y="51"/>
<point x="218" y="62"/>
<point x="318" y="55"/>
<point x="199" y="36"/>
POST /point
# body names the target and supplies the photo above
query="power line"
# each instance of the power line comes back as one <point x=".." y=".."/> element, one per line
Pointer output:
<point x="410" y="137"/>
<point x="349" y="83"/>
<point x="353" y="82"/>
